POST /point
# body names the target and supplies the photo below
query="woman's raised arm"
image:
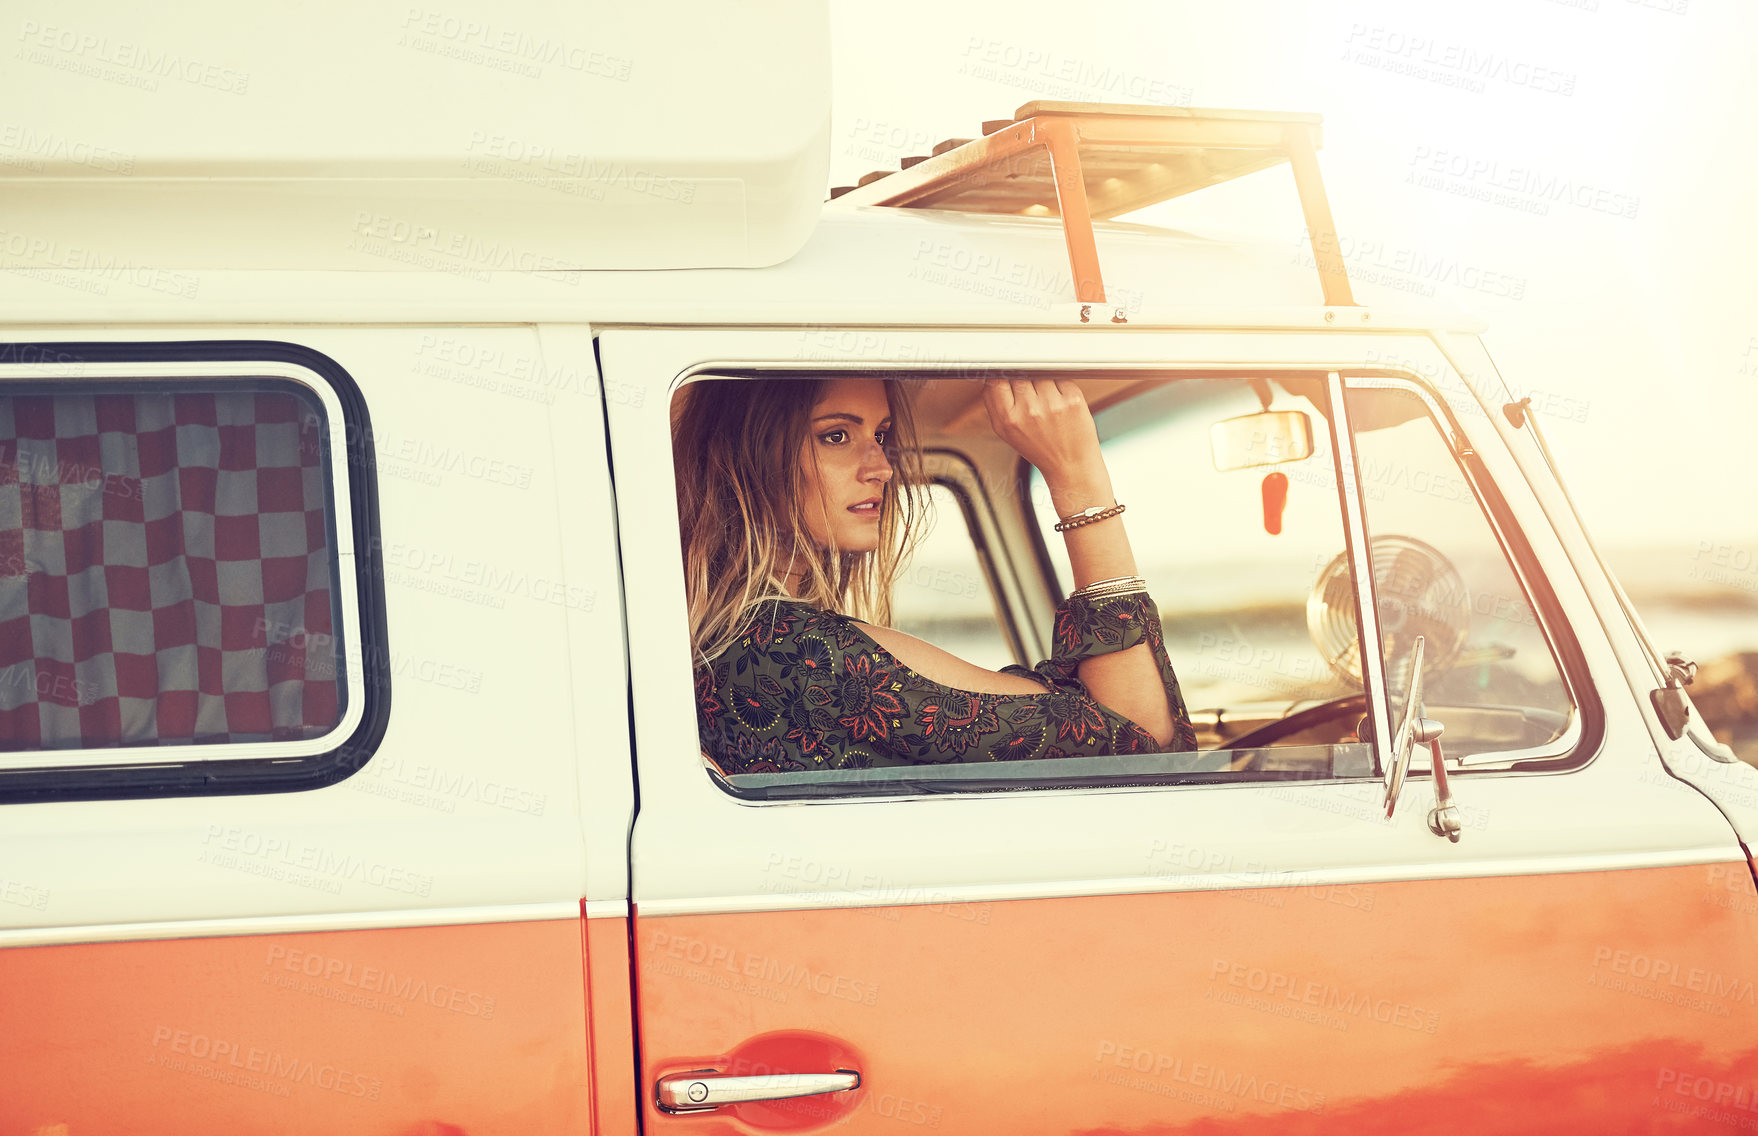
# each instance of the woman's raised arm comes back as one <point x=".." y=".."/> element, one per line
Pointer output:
<point x="1047" y="421"/>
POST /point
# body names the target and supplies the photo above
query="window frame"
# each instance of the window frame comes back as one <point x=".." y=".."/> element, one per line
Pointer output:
<point x="1579" y="742"/>
<point x="126" y="772"/>
<point x="1185" y="773"/>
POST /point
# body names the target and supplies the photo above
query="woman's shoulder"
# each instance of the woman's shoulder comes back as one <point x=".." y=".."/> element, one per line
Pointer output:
<point x="788" y="632"/>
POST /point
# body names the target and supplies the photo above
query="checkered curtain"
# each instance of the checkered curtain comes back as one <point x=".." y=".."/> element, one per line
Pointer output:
<point x="164" y="570"/>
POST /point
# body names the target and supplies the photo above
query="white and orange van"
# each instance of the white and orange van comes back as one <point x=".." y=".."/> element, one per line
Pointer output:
<point x="349" y="771"/>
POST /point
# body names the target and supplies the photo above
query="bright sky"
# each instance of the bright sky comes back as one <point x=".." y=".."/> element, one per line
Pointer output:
<point x="1639" y="315"/>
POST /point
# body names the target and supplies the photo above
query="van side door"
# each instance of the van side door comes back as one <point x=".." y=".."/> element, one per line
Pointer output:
<point x="1238" y="936"/>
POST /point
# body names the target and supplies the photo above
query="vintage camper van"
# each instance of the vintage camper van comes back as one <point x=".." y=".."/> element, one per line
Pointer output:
<point x="350" y="778"/>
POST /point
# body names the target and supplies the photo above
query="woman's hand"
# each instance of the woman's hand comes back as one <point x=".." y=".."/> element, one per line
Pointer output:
<point x="1048" y="422"/>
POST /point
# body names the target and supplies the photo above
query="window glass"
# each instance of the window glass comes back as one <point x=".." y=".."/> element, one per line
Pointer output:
<point x="1440" y="573"/>
<point x="1232" y="556"/>
<point x="943" y="596"/>
<point x="1234" y="515"/>
<point x="167" y="573"/>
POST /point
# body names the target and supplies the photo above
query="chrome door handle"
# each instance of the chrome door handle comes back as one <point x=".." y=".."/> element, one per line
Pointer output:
<point x="703" y="1089"/>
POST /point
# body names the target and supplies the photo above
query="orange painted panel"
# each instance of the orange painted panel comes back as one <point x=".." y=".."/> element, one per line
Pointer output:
<point x="428" y="1031"/>
<point x="610" y="1007"/>
<point x="1602" y="1002"/>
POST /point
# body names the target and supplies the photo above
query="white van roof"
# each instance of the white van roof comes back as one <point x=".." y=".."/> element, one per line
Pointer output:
<point x="862" y="266"/>
<point x="554" y="133"/>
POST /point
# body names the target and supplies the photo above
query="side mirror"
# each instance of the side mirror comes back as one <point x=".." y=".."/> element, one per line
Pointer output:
<point x="1269" y="438"/>
<point x="1414" y="729"/>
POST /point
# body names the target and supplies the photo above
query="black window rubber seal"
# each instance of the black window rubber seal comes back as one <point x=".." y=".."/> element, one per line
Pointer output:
<point x="99" y="782"/>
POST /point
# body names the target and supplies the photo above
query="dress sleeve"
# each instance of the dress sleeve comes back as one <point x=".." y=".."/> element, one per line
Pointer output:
<point x="1085" y="628"/>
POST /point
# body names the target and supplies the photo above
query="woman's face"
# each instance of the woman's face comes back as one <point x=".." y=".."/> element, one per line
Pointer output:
<point x="843" y="464"/>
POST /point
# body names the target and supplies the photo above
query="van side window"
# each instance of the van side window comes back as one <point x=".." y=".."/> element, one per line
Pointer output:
<point x="1198" y="461"/>
<point x="166" y="571"/>
<point x="1489" y="674"/>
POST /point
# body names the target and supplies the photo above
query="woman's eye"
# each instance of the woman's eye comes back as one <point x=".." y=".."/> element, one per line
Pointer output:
<point x="834" y="437"/>
<point x="881" y="436"/>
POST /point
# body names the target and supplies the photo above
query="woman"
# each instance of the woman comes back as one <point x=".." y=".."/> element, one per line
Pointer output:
<point x="795" y="521"/>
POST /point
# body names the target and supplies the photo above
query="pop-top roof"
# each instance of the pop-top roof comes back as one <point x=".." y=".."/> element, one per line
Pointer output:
<point x="466" y="137"/>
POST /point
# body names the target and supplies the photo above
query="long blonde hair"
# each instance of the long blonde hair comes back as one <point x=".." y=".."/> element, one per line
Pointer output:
<point x="736" y="444"/>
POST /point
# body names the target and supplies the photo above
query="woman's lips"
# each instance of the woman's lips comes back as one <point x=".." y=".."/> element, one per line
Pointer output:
<point x="865" y="509"/>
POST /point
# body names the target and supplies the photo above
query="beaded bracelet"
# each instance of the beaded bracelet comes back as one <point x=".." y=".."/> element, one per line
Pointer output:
<point x="1111" y="589"/>
<point x="1087" y="517"/>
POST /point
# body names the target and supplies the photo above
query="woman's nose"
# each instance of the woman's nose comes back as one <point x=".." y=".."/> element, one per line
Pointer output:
<point x="875" y="465"/>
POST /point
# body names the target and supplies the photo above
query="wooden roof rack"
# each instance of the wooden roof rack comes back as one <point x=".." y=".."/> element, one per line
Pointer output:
<point x="1092" y="161"/>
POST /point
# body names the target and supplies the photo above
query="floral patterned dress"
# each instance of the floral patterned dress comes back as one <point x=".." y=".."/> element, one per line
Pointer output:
<point x="809" y="689"/>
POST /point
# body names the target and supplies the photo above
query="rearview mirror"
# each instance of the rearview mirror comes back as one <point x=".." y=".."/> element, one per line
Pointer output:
<point x="1269" y="438"/>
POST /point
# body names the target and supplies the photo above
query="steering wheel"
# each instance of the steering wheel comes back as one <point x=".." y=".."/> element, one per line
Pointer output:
<point x="1273" y="732"/>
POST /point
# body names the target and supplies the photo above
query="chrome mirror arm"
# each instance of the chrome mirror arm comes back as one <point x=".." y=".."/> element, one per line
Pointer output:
<point x="1443" y="819"/>
<point x="1404" y="741"/>
<point x="1414" y="729"/>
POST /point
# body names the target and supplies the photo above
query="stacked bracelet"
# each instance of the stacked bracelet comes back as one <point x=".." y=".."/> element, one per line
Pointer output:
<point x="1087" y="517"/>
<point x="1111" y="589"/>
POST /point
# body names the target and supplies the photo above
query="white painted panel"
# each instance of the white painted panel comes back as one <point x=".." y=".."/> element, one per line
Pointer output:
<point x="464" y="137"/>
<point x="500" y="568"/>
